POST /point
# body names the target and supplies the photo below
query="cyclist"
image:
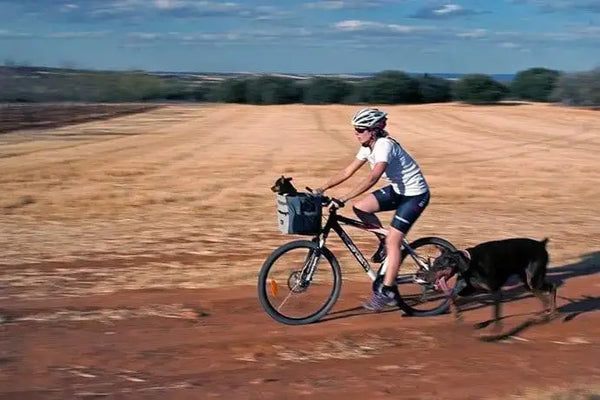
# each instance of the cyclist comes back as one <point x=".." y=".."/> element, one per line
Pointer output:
<point x="407" y="193"/>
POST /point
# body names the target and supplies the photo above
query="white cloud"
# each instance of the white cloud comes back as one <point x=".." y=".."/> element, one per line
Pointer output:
<point x="350" y="25"/>
<point x="169" y="4"/>
<point x="447" y="9"/>
<point x="563" y="5"/>
<point x="65" y="8"/>
<point x="77" y="35"/>
<point x="123" y="9"/>
<point x="474" y="34"/>
<point x="4" y="34"/>
<point x="346" y="4"/>
<point x="326" y="5"/>
<point x="357" y="25"/>
<point x="146" y="35"/>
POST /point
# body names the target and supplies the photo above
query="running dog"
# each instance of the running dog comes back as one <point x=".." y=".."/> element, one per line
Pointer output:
<point x="487" y="267"/>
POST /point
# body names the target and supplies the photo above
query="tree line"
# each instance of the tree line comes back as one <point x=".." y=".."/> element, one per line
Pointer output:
<point x="387" y="87"/>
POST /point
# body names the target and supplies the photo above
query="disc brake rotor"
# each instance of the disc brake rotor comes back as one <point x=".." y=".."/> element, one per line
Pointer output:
<point x="295" y="283"/>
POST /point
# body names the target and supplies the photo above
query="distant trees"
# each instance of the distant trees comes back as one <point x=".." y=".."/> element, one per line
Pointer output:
<point x="433" y="89"/>
<point x="479" y="89"/>
<point x="322" y="90"/>
<point x="29" y="84"/>
<point x="534" y="84"/>
<point x="257" y="90"/>
<point x="89" y="87"/>
<point x="272" y="90"/>
<point x="230" y="91"/>
<point x="387" y="87"/>
<point x="578" y="89"/>
<point x="392" y="87"/>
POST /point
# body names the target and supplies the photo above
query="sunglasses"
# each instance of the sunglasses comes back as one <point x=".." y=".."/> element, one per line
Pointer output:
<point x="361" y="130"/>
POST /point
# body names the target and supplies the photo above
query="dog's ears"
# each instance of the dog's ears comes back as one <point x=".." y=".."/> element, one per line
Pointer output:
<point x="287" y="179"/>
<point x="463" y="260"/>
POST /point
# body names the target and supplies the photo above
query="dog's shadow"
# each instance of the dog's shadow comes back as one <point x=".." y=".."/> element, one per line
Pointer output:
<point x="587" y="266"/>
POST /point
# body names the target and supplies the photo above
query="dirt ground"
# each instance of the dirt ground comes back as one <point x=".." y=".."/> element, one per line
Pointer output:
<point x="131" y="248"/>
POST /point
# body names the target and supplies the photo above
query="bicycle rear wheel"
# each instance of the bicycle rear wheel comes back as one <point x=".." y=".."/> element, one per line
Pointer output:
<point x="418" y="298"/>
<point x="286" y="290"/>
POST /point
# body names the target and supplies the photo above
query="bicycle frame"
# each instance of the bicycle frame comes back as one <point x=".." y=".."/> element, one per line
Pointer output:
<point x="333" y="222"/>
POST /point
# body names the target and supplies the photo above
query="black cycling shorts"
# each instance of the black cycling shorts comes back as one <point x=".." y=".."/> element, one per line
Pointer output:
<point x="408" y="208"/>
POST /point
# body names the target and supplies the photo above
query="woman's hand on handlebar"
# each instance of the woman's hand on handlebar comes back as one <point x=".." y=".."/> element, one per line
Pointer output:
<point x="336" y="202"/>
<point x="327" y="201"/>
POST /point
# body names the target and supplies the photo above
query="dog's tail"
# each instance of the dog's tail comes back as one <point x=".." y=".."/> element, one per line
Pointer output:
<point x="545" y="241"/>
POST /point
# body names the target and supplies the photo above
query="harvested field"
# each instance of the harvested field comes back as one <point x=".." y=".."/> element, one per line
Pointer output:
<point x="131" y="247"/>
<point x="27" y="116"/>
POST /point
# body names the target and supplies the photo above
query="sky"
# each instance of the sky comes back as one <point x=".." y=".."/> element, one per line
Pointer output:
<point x="288" y="36"/>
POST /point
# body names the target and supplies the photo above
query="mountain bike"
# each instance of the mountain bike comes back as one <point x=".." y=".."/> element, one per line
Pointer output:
<point x="301" y="281"/>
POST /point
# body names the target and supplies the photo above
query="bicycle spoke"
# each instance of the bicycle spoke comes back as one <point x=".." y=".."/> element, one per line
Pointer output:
<point x="287" y="297"/>
<point x="420" y="296"/>
<point x="305" y="287"/>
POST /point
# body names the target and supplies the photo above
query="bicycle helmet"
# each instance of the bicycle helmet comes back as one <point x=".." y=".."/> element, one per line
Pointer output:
<point x="368" y="117"/>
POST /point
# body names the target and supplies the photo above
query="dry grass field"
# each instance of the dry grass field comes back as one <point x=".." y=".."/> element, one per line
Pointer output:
<point x="131" y="248"/>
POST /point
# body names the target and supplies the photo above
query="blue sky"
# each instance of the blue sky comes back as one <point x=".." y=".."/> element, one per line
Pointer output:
<point x="329" y="36"/>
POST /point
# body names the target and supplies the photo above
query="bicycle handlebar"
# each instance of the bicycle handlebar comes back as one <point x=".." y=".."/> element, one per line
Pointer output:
<point x="328" y="201"/>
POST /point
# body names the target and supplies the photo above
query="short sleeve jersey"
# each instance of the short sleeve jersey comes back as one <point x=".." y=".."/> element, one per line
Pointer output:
<point x="402" y="171"/>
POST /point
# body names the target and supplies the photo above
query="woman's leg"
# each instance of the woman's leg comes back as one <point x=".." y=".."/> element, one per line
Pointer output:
<point x="408" y="211"/>
<point x="393" y="243"/>
<point x="365" y="210"/>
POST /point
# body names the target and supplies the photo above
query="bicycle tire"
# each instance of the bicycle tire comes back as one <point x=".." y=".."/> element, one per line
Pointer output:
<point x="445" y="305"/>
<point x="270" y="261"/>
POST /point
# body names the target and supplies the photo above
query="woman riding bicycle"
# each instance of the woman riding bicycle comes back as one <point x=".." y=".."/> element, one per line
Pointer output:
<point x="407" y="193"/>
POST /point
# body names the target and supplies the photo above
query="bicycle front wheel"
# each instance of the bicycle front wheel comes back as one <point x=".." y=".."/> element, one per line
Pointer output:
<point x="422" y="298"/>
<point x="299" y="283"/>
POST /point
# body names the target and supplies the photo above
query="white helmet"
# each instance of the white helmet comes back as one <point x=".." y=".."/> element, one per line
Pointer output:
<point x="368" y="117"/>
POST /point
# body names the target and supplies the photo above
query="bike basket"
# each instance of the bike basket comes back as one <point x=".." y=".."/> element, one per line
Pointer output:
<point x="299" y="214"/>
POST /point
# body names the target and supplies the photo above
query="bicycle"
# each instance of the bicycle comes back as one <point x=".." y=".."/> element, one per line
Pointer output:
<point x="304" y="262"/>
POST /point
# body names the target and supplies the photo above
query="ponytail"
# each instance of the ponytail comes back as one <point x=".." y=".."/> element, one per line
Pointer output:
<point x="381" y="133"/>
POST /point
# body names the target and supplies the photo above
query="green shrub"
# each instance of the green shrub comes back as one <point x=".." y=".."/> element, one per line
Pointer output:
<point x="578" y="89"/>
<point x="272" y="90"/>
<point x="392" y="87"/>
<point x="479" y="89"/>
<point x="434" y="90"/>
<point x="535" y="84"/>
<point x="326" y="90"/>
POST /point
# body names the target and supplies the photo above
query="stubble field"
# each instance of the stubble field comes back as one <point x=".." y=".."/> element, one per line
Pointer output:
<point x="131" y="248"/>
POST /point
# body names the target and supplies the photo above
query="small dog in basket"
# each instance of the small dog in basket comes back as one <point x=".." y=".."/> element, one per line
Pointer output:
<point x="487" y="267"/>
<point x="283" y="186"/>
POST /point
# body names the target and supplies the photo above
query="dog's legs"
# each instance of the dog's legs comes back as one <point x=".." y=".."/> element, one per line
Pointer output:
<point x="497" y="295"/>
<point x="552" y="296"/>
<point x="547" y="295"/>
<point x="455" y="310"/>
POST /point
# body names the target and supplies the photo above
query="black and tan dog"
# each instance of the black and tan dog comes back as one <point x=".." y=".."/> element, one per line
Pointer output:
<point x="487" y="267"/>
<point x="283" y="186"/>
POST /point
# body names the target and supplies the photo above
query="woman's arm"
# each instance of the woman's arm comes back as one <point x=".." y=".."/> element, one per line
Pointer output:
<point x="343" y="175"/>
<point x="368" y="183"/>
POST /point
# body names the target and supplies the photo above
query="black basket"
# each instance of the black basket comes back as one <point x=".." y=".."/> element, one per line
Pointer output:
<point x="299" y="214"/>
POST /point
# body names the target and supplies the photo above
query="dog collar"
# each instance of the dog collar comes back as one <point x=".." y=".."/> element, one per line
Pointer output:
<point x="467" y="254"/>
